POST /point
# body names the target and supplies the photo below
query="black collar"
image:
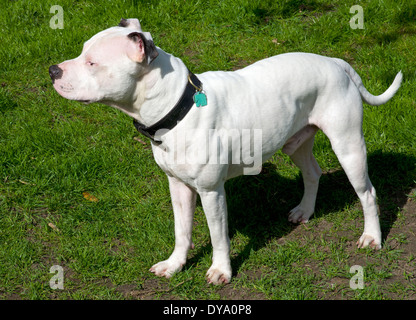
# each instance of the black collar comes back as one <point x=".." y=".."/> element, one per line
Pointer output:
<point x="178" y="112"/>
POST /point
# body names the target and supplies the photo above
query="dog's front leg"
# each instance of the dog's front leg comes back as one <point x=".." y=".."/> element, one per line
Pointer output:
<point x="183" y="202"/>
<point x="215" y="208"/>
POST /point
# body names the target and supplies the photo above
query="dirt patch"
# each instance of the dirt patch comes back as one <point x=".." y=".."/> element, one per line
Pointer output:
<point x="156" y="289"/>
<point x="151" y="289"/>
<point x="228" y="292"/>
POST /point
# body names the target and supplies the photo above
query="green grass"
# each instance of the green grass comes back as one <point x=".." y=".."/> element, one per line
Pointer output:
<point x="53" y="150"/>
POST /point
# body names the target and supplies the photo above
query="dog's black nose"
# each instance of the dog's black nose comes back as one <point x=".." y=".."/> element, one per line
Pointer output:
<point x="55" y="72"/>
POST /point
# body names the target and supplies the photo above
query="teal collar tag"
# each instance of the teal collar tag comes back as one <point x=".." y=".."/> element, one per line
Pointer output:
<point x="200" y="99"/>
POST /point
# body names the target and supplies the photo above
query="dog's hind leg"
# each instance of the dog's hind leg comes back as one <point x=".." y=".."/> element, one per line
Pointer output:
<point x="301" y="155"/>
<point x="348" y="143"/>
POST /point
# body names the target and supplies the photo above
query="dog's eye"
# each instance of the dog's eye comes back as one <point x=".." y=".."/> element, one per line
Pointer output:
<point x="90" y="63"/>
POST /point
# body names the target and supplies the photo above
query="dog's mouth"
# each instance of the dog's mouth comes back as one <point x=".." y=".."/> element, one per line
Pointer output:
<point x="67" y="91"/>
<point x="64" y="88"/>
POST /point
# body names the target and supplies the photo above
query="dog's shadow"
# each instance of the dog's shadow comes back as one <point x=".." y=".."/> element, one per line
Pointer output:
<point x="258" y="206"/>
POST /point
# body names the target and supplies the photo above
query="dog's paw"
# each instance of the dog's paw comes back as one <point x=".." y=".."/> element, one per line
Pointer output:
<point x="299" y="215"/>
<point x="166" y="268"/>
<point x="218" y="276"/>
<point x="367" y="240"/>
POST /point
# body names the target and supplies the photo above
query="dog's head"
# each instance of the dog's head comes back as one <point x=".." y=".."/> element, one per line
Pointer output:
<point x="109" y="66"/>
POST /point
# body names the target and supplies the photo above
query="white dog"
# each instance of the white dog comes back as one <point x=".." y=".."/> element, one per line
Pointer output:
<point x="218" y="119"/>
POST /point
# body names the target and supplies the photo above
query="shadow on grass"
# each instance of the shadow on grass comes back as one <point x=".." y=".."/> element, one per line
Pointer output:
<point x="258" y="206"/>
<point x="394" y="176"/>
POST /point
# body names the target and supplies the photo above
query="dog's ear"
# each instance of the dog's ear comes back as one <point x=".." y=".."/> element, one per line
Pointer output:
<point x="133" y="24"/>
<point x="144" y="49"/>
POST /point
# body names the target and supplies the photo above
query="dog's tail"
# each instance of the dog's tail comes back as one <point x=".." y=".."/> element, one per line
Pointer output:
<point x="367" y="96"/>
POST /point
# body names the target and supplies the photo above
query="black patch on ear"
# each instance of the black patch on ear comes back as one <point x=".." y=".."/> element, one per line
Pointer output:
<point x="123" y="23"/>
<point x="149" y="47"/>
